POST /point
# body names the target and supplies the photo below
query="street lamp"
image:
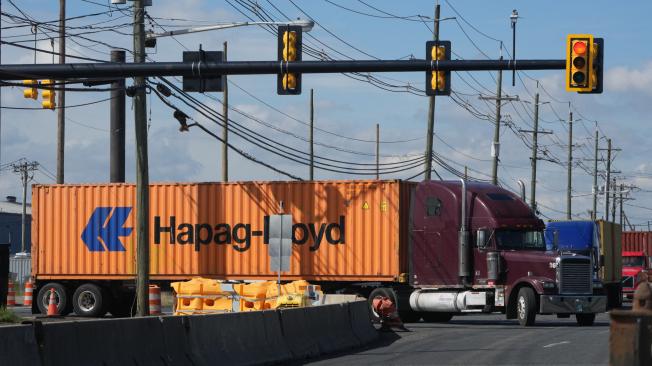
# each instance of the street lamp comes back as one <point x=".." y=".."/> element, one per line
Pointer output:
<point x="513" y="18"/>
<point x="150" y="38"/>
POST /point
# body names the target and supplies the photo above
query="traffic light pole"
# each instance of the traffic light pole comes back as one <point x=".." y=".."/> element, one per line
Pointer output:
<point x="431" y="110"/>
<point x="210" y="69"/>
<point x="142" y="176"/>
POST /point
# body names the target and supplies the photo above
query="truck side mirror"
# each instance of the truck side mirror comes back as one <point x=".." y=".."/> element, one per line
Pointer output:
<point x="555" y="240"/>
<point x="481" y="239"/>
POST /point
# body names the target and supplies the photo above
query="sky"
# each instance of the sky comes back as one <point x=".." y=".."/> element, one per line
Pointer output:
<point x="347" y="110"/>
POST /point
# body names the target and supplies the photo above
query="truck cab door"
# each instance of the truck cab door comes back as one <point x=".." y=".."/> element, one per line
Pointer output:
<point x="434" y="247"/>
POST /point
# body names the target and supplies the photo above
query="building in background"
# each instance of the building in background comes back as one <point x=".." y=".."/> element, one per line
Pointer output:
<point x="10" y="224"/>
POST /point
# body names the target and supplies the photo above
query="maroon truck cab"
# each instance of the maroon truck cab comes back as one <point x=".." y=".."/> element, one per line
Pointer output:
<point x="476" y="247"/>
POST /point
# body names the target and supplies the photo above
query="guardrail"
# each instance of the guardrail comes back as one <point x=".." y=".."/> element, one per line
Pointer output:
<point x="249" y="338"/>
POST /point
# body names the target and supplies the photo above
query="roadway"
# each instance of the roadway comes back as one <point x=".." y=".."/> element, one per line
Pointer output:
<point x="485" y="340"/>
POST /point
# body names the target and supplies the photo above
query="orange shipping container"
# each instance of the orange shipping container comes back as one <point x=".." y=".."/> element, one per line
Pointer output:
<point x="343" y="230"/>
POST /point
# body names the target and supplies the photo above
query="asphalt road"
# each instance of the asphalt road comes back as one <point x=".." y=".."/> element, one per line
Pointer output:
<point x="486" y="340"/>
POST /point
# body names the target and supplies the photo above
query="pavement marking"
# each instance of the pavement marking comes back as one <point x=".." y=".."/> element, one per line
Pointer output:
<point x="555" y="344"/>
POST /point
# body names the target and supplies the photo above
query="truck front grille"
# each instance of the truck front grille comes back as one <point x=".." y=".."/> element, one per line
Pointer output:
<point x="628" y="282"/>
<point x="575" y="276"/>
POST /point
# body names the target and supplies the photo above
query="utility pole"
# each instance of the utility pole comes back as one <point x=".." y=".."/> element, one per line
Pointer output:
<point x="535" y="146"/>
<point x="621" y="204"/>
<point x="61" y="102"/>
<point x="142" y="174"/>
<point x="431" y="108"/>
<point x="225" y="129"/>
<point x="312" y="136"/>
<point x="377" y="151"/>
<point x="25" y="169"/>
<point x="495" y="151"/>
<point x="495" y="147"/>
<point x="613" y="202"/>
<point x="570" y="166"/>
<point x="117" y="134"/>
<point x="607" y="181"/>
<point x="594" y="215"/>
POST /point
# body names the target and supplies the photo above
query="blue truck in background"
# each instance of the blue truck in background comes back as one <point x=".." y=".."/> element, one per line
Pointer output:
<point x="601" y="241"/>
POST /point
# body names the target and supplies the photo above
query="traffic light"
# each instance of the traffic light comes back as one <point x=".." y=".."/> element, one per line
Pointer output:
<point x="595" y="73"/>
<point x="32" y="92"/>
<point x="580" y="49"/>
<point x="438" y="82"/>
<point x="289" y="50"/>
<point x="48" y="95"/>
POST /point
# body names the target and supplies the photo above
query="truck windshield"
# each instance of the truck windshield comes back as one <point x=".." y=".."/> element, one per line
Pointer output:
<point x="633" y="261"/>
<point x="519" y="239"/>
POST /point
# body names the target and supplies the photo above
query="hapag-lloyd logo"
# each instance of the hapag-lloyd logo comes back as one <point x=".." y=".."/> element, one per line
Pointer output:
<point x="240" y="234"/>
<point x="106" y="226"/>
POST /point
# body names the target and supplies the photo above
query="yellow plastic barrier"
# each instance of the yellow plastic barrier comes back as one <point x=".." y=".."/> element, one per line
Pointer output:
<point x="201" y="296"/>
<point x="253" y="296"/>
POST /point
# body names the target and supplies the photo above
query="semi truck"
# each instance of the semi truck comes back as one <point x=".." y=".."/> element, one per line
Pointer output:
<point x="601" y="241"/>
<point x="637" y="249"/>
<point x="436" y="249"/>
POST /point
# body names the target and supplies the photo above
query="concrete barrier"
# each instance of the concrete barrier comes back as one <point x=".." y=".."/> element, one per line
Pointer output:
<point x="18" y="346"/>
<point x="361" y="322"/>
<point x="298" y="333"/>
<point x="330" y="326"/>
<point x="137" y="341"/>
<point x="260" y="337"/>
<point x="175" y="331"/>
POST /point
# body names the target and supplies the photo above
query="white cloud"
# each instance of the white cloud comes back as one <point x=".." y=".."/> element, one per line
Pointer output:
<point x="623" y="78"/>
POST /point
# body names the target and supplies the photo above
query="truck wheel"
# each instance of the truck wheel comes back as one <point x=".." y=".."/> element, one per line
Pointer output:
<point x="526" y="307"/>
<point x="432" y="317"/>
<point x="89" y="301"/>
<point x="60" y="298"/>
<point x="406" y="315"/>
<point x="585" y="320"/>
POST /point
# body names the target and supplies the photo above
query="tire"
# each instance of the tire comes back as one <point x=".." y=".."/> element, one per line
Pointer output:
<point x="61" y="298"/>
<point x="585" y="320"/>
<point x="432" y="317"/>
<point x="406" y="315"/>
<point x="526" y="307"/>
<point x="90" y="301"/>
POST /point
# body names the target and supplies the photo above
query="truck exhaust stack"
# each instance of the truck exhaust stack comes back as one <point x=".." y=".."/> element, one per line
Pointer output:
<point x="463" y="254"/>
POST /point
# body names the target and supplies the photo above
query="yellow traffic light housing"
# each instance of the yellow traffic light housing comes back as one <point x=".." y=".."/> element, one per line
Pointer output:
<point x="438" y="81"/>
<point x="597" y="62"/>
<point x="289" y="50"/>
<point x="32" y="92"/>
<point x="48" y="95"/>
<point x="579" y="62"/>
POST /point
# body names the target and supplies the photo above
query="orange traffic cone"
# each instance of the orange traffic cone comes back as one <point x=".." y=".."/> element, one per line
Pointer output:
<point x="52" y="306"/>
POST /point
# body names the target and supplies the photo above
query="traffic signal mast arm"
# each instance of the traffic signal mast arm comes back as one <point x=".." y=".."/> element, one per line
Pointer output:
<point x="207" y="69"/>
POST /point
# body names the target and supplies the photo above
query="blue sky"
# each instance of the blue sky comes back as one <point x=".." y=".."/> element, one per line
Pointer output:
<point x="352" y="108"/>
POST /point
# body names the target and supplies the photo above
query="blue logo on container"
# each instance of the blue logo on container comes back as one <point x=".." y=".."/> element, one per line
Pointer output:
<point x="104" y="229"/>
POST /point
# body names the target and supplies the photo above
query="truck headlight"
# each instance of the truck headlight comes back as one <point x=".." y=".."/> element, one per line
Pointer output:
<point x="547" y="284"/>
